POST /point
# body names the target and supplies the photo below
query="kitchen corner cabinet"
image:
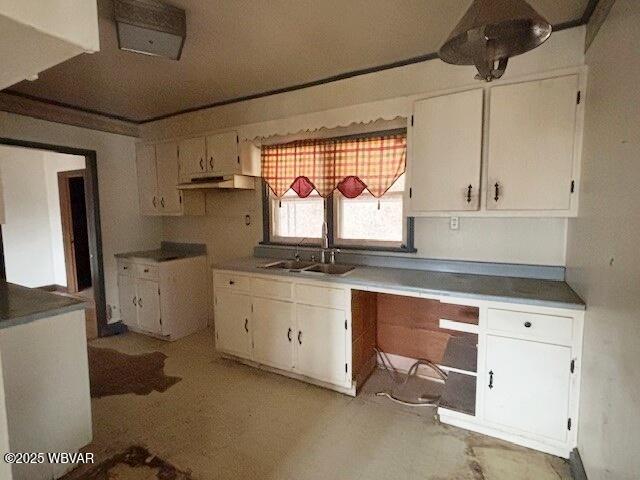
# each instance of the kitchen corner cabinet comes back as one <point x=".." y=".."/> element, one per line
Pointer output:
<point x="158" y="175"/>
<point x="296" y="328"/>
<point x="165" y="299"/>
<point x="217" y="155"/>
<point x="523" y="139"/>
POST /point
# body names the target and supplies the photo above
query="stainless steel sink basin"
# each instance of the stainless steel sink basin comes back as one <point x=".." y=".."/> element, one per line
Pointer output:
<point x="289" y="265"/>
<point x="330" y="268"/>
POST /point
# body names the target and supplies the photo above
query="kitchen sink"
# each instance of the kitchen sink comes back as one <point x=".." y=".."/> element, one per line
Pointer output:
<point x="330" y="268"/>
<point x="288" y="265"/>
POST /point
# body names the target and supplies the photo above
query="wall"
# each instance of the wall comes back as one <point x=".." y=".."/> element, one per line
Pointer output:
<point x="123" y="229"/>
<point x="54" y="163"/>
<point x="602" y="252"/>
<point x="27" y="231"/>
<point x="531" y="241"/>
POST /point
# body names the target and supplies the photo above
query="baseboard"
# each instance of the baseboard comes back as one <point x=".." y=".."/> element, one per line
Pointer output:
<point x="577" y="468"/>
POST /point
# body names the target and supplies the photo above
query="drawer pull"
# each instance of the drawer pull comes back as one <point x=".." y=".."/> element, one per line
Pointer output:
<point x="490" y="378"/>
<point x="146" y="270"/>
<point x="134" y="302"/>
<point x="527" y="324"/>
<point x="246" y="325"/>
<point x="289" y="334"/>
<point x="125" y="268"/>
<point x="140" y="302"/>
<point x="231" y="282"/>
<point x="300" y="337"/>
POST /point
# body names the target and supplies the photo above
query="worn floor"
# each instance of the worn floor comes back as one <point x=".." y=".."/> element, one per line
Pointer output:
<point x="224" y="420"/>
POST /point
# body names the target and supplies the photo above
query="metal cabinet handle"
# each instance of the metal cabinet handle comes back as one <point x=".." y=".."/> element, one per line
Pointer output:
<point x="497" y="196"/>
<point x="527" y="324"/>
<point x="490" y="378"/>
<point x="125" y="268"/>
<point x="300" y="337"/>
<point x="154" y="202"/>
<point x="201" y="163"/>
<point x="162" y="202"/>
<point x="289" y="332"/>
<point x="246" y="325"/>
<point x="231" y="282"/>
<point x="211" y="163"/>
<point x="140" y="302"/>
<point x="469" y="188"/>
<point x="134" y="302"/>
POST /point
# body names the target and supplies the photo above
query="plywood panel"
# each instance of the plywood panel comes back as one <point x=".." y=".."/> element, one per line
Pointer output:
<point x="363" y="333"/>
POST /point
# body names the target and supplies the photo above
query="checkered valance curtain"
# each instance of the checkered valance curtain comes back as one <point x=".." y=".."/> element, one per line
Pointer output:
<point x="350" y="165"/>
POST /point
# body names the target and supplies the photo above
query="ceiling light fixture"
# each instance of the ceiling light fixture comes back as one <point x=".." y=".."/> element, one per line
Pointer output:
<point x="492" y="31"/>
<point x="150" y="27"/>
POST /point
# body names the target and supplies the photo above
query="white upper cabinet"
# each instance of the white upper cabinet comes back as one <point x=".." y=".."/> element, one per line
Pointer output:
<point x="193" y="153"/>
<point x="531" y="154"/>
<point x="222" y="154"/>
<point x="147" y="179"/>
<point x="447" y="152"/>
<point x="167" y="168"/>
<point x="33" y="38"/>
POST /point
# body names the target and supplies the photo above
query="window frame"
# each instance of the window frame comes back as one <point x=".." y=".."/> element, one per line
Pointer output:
<point x="330" y="212"/>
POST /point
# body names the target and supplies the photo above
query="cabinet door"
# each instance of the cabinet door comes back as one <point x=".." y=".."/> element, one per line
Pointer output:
<point x="149" y="318"/>
<point x="222" y="154"/>
<point x="192" y="158"/>
<point x="168" y="172"/>
<point x="128" y="300"/>
<point x="147" y="179"/>
<point x="273" y="332"/>
<point x="233" y="323"/>
<point x="321" y="343"/>
<point x="531" y="145"/>
<point x="528" y="386"/>
<point x="446" y="152"/>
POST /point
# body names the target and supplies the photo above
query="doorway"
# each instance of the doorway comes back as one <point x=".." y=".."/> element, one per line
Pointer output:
<point x="85" y="269"/>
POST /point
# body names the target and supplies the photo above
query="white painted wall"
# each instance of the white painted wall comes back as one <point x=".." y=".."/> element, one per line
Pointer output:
<point x="123" y="229"/>
<point x="602" y="251"/>
<point x="530" y="241"/>
<point x="54" y="163"/>
<point x="32" y="234"/>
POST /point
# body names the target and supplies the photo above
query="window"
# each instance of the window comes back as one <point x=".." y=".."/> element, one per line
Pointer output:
<point x="355" y="184"/>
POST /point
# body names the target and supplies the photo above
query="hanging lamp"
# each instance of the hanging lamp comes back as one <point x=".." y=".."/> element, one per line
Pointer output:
<point x="492" y="31"/>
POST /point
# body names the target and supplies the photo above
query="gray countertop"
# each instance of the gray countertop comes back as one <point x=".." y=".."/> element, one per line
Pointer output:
<point x="19" y="305"/>
<point x="167" y="252"/>
<point x="547" y="293"/>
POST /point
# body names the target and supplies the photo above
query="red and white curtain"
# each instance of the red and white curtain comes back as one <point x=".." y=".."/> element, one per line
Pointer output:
<point x="349" y="165"/>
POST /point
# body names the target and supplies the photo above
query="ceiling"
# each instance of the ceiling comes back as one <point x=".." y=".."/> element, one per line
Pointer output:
<point x="237" y="48"/>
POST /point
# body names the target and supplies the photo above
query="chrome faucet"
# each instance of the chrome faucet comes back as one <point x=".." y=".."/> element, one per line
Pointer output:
<point x="325" y="246"/>
<point x="298" y="245"/>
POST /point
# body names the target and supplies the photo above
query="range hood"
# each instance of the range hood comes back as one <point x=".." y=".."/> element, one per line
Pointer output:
<point x="237" y="182"/>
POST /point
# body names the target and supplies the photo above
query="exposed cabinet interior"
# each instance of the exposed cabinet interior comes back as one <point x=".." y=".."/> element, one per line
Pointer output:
<point x="447" y="152"/>
<point x="532" y="132"/>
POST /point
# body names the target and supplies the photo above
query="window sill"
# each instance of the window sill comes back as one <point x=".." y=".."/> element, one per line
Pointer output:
<point x="343" y="249"/>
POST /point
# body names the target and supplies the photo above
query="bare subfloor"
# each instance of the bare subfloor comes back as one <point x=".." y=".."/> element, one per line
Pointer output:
<point x="225" y="420"/>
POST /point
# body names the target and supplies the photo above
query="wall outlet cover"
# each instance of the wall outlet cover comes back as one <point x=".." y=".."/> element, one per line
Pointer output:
<point x="454" y="223"/>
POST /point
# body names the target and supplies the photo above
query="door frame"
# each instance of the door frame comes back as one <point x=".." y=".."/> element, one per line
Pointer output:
<point x="92" y="200"/>
<point x="67" y="226"/>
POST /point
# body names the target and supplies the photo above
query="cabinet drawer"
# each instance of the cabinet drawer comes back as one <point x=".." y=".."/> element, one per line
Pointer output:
<point x="147" y="272"/>
<point x="535" y="325"/>
<point x="320" y="296"/>
<point x="125" y="267"/>
<point x="240" y="283"/>
<point x="271" y="288"/>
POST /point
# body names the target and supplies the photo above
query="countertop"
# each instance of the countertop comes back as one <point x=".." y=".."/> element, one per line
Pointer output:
<point x="159" y="255"/>
<point x="19" y="305"/>
<point x="546" y="293"/>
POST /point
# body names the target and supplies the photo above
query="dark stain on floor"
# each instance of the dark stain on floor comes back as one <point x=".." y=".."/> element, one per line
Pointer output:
<point x="135" y="457"/>
<point x="115" y="373"/>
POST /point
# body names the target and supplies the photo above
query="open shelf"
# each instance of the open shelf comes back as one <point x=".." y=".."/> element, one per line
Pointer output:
<point x="461" y="354"/>
<point x="459" y="393"/>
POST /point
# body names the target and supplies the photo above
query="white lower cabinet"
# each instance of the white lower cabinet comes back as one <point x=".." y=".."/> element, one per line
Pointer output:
<point x="273" y="333"/>
<point x="528" y="386"/>
<point x="321" y="338"/>
<point x="149" y="318"/>
<point x="268" y="320"/>
<point x="233" y="323"/>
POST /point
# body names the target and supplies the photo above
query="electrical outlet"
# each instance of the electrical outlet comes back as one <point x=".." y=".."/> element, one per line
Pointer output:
<point x="454" y="223"/>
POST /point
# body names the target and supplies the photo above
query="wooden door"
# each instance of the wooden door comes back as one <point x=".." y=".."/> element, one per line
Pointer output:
<point x="147" y="179"/>
<point x="193" y="160"/>
<point x="273" y="333"/>
<point x="532" y="130"/>
<point x="527" y="386"/>
<point x="149" y="316"/>
<point x="233" y="323"/>
<point x="222" y="154"/>
<point x="321" y="343"/>
<point x="128" y="300"/>
<point x="447" y="152"/>
<point x="168" y="172"/>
